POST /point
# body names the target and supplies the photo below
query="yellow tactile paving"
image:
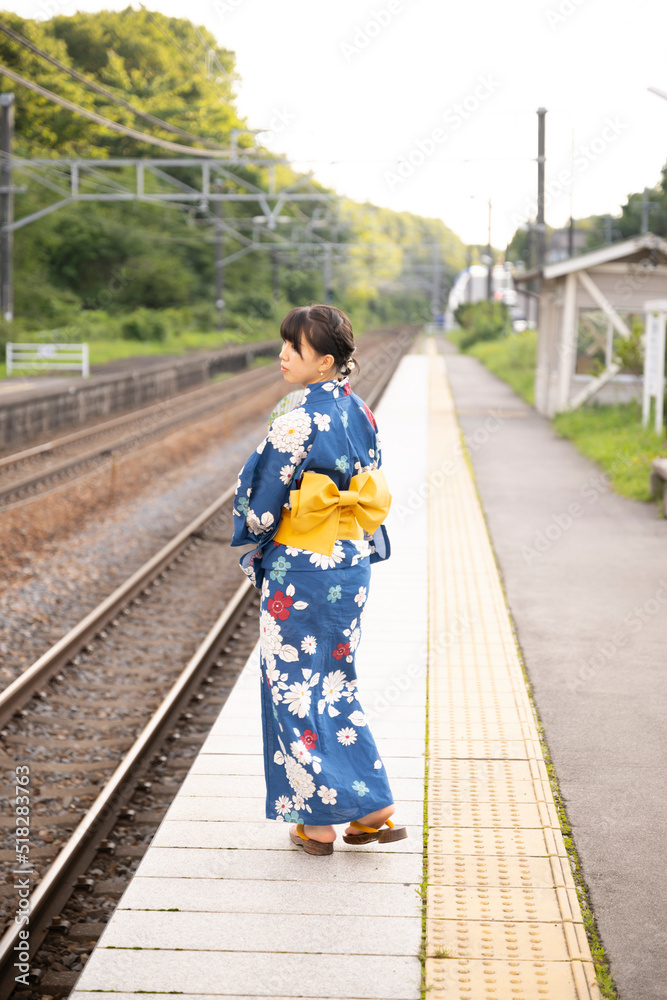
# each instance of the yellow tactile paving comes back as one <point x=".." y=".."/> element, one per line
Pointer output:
<point x="503" y="916"/>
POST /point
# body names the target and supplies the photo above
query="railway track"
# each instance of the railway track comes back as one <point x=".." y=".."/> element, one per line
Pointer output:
<point x="34" y="471"/>
<point x="92" y="713"/>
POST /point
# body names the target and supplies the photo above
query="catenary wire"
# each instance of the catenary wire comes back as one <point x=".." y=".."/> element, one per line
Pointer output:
<point x="106" y="122"/>
<point x="27" y="44"/>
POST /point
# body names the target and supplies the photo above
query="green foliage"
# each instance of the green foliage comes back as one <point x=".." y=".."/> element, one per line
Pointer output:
<point x="94" y="269"/>
<point x="144" y="325"/>
<point x="630" y="353"/>
<point x="487" y="319"/>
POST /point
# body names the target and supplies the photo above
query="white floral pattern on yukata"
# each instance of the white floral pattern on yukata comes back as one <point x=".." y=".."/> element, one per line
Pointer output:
<point x="320" y="759"/>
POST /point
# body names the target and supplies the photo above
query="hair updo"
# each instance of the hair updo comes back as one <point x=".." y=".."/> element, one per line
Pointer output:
<point x="328" y="331"/>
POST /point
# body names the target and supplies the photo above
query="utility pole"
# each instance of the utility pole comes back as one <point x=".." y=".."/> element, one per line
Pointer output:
<point x="541" y="233"/>
<point x="529" y="244"/>
<point x="570" y="238"/>
<point x="646" y="208"/>
<point x="219" y="265"/>
<point x="489" y="276"/>
<point x="275" y="274"/>
<point x="435" y="283"/>
<point x="328" y="290"/>
<point x="6" y="206"/>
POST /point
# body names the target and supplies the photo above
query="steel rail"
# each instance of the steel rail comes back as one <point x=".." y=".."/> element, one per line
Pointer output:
<point x="184" y="413"/>
<point x="22" y="688"/>
<point x="15" y="458"/>
<point x="74" y="857"/>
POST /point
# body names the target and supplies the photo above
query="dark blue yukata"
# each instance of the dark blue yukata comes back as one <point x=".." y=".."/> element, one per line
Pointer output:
<point x="321" y="762"/>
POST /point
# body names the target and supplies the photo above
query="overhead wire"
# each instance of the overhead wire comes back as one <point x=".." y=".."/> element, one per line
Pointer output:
<point x="97" y="88"/>
<point x="106" y="122"/>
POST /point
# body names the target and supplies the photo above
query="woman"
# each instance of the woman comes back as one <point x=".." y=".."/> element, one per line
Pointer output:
<point x="312" y="498"/>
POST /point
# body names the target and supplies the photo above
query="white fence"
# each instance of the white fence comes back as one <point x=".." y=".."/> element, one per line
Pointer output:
<point x="55" y="357"/>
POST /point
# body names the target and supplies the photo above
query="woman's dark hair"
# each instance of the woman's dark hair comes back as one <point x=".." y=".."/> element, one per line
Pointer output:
<point x="328" y="331"/>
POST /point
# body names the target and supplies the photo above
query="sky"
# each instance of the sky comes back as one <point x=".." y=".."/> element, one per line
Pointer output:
<point x="430" y="106"/>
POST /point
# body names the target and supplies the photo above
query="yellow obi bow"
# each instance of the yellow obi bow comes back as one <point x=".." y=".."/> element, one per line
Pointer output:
<point x="321" y="512"/>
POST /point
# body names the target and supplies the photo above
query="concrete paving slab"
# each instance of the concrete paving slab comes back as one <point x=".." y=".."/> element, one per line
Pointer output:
<point x="483" y="790"/>
<point x="466" y="978"/>
<point x="501" y="840"/>
<point x="489" y="939"/>
<point x="385" y="978"/>
<point x="206" y="932"/>
<point x="255" y="896"/>
<point x="477" y="902"/>
<point x="96" y="995"/>
<point x="499" y="870"/>
<point x="290" y="866"/>
<point x="486" y="772"/>
<point x="226" y="763"/>
<point x="524" y="815"/>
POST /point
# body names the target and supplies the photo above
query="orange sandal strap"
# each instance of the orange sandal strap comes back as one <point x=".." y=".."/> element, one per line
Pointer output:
<point x="370" y="829"/>
<point x="364" y="829"/>
<point x="300" y="833"/>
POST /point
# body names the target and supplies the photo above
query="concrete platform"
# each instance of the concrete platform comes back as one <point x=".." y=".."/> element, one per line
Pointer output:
<point x="222" y="905"/>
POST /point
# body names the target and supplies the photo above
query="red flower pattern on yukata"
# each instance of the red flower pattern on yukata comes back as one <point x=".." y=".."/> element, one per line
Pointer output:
<point x="309" y="739"/>
<point x="279" y="605"/>
<point x="341" y="650"/>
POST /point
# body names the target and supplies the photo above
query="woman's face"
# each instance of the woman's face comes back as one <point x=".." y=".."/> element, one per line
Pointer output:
<point x="306" y="367"/>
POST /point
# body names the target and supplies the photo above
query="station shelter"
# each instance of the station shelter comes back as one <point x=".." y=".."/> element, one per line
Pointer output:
<point x="587" y="305"/>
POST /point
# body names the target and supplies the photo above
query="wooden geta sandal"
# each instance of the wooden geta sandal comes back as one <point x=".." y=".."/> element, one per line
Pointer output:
<point x="309" y="846"/>
<point x="368" y="833"/>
